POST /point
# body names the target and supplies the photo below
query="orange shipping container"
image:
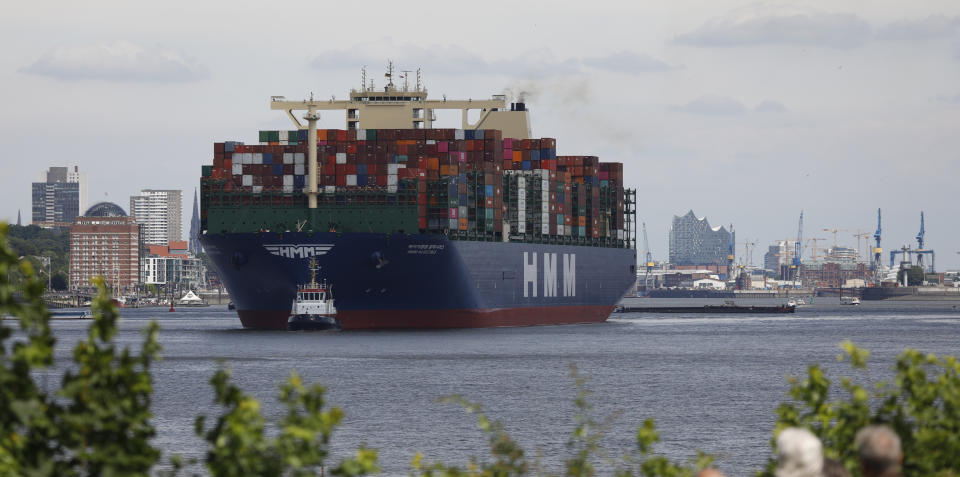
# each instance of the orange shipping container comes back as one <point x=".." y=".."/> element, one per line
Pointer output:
<point x="462" y="222"/>
<point x="433" y="163"/>
<point x="517" y="156"/>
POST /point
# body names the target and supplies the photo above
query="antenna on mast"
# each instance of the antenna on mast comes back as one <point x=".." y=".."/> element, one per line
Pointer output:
<point x="363" y="78"/>
<point x="419" y="84"/>
<point x="406" y="79"/>
<point x="389" y="74"/>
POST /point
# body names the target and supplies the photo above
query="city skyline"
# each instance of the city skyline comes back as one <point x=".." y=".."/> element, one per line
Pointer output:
<point x="749" y="112"/>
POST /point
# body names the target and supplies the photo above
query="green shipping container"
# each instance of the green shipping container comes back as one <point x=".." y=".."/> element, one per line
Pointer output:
<point x="274" y="136"/>
<point x="206" y="171"/>
<point x="264" y="136"/>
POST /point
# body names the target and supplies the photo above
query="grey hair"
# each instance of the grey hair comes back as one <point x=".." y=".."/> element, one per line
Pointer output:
<point x="879" y="450"/>
<point x="799" y="453"/>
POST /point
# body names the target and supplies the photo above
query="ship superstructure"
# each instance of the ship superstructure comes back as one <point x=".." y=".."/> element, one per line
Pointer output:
<point x="417" y="226"/>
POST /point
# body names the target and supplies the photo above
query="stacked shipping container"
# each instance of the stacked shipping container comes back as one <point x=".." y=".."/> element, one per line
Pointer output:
<point x="465" y="183"/>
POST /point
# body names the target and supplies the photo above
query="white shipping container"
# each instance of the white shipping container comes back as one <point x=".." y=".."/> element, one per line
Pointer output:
<point x="458" y="135"/>
<point x="288" y="158"/>
<point x="246" y="158"/>
<point x="284" y="143"/>
<point x="521" y="182"/>
<point x="463" y="211"/>
<point x="288" y="180"/>
<point x="391" y="188"/>
<point x="257" y="158"/>
<point x="341" y="158"/>
<point x="361" y="134"/>
<point x="298" y="169"/>
<point x="257" y="189"/>
<point x="431" y="141"/>
<point x="351" y="179"/>
<point x="545" y="217"/>
<point x="288" y="189"/>
<point x="330" y="189"/>
<point x="560" y="230"/>
<point x="392" y="180"/>
<point x="298" y="158"/>
<point x="545" y="196"/>
<point x="522" y="216"/>
<point x="545" y="229"/>
<point x="392" y="168"/>
<point x="521" y="227"/>
<point x="453" y="224"/>
<point x="284" y="136"/>
<point x="247" y="180"/>
<point x="237" y="168"/>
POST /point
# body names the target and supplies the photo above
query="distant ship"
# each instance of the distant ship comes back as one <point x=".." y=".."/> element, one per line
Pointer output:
<point x="417" y="227"/>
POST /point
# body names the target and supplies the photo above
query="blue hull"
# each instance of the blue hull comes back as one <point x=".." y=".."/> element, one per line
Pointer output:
<point x="422" y="281"/>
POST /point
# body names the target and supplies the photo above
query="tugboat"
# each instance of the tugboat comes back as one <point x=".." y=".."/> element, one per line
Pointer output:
<point x="313" y="308"/>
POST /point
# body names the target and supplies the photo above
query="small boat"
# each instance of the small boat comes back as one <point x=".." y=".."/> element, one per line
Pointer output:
<point x="231" y="306"/>
<point x="794" y="302"/>
<point x="313" y="308"/>
<point x="852" y="301"/>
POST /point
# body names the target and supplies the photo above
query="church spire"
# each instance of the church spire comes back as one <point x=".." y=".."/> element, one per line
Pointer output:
<point x="18" y="218"/>
<point x="195" y="246"/>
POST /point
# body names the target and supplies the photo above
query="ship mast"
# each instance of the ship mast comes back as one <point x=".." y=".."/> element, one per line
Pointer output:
<point x="313" y="272"/>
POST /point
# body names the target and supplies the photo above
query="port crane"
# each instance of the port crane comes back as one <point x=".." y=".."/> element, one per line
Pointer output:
<point x="906" y="253"/>
<point x="798" y="252"/>
<point x="647" y="259"/>
<point x="877" y="251"/>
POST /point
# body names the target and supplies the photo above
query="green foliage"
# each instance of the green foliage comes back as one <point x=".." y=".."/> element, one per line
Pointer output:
<point x="239" y="445"/>
<point x="922" y="404"/>
<point x="97" y="423"/>
<point x="30" y="241"/>
<point x="584" y="444"/>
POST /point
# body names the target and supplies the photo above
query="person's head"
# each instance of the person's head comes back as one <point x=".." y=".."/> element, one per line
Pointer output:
<point x="879" y="450"/>
<point x="710" y="472"/>
<point x="799" y="453"/>
<point x="833" y="468"/>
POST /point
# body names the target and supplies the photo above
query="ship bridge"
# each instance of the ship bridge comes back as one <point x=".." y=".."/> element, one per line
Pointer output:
<point x="406" y="107"/>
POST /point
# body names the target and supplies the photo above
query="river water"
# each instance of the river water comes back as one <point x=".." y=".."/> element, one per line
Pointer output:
<point x="711" y="382"/>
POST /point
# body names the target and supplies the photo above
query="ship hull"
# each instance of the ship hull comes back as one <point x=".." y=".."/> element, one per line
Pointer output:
<point x="422" y="281"/>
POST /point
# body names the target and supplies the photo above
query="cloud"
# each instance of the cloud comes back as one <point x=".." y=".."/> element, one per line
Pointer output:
<point x="770" y="24"/>
<point x="117" y="61"/>
<point x="711" y="105"/>
<point x="627" y="62"/>
<point x="931" y="27"/>
<point x="454" y="60"/>
<point x="945" y="98"/>
<point x="770" y="106"/>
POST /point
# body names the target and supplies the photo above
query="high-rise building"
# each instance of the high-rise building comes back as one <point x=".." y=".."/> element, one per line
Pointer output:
<point x="104" y="241"/>
<point x="159" y="213"/>
<point x="693" y="242"/>
<point x="195" y="247"/>
<point x="59" y="196"/>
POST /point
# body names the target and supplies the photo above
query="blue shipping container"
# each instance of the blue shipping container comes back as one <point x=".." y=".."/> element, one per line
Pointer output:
<point x="489" y="191"/>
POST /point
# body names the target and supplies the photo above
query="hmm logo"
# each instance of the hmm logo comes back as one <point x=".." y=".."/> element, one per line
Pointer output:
<point x="298" y="251"/>
<point x="551" y="273"/>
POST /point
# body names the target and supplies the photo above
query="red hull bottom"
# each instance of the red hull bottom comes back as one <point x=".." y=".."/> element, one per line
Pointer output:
<point x="427" y="319"/>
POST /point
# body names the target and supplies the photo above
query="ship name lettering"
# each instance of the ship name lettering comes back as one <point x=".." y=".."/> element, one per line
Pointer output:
<point x="553" y="269"/>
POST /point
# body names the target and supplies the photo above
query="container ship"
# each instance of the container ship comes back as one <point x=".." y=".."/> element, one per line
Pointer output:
<point x="415" y="226"/>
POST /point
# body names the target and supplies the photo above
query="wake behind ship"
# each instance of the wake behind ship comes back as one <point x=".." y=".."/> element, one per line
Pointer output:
<point x="417" y="227"/>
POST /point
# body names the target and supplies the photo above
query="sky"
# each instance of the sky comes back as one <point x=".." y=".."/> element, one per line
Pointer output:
<point x="745" y="112"/>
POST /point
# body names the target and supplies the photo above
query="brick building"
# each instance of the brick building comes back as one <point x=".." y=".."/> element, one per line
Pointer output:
<point x="105" y="242"/>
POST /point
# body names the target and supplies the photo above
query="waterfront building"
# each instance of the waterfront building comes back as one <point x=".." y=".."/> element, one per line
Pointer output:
<point x="171" y="264"/>
<point x="695" y="244"/>
<point x="104" y="241"/>
<point x="58" y="197"/>
<point x="159" y="213"/>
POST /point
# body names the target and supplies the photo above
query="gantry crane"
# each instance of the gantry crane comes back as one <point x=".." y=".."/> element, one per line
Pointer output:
<point x="877" y="251"/>
<point x="798" y="252"/>
<point x="647" y="258"/>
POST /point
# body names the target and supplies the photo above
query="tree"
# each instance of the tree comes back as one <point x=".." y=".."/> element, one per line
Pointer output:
<point x="921" y="403"/>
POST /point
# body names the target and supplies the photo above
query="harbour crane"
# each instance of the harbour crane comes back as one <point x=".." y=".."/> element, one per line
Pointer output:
<point x="877" y="251"/>
<point x="647" y="258"/>
<point x="920" y="251"/>
<point x="798" y="251"/>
